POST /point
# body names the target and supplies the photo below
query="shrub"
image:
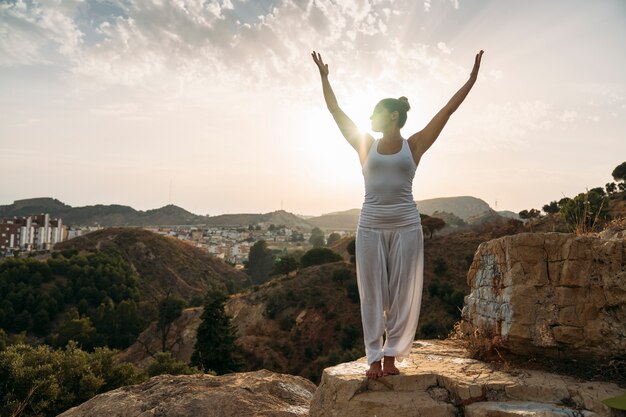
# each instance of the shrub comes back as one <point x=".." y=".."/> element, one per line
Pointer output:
<point x="319" y="256"/>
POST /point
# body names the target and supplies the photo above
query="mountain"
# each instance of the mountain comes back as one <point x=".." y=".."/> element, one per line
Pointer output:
<point x="100" y="214"/>
<point x="469" y="209"/>
<point x="338" y="220"/>
<point x="464" y="207"/>
<point x="164" y="264"/>
<point x="280" y="217"/>
<point x="31" y="206"/>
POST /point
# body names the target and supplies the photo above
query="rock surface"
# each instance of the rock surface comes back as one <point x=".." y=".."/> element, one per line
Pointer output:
<point x="438" y="380"/>
<point x="262" y="393"/>
<point x="543" y="292"/>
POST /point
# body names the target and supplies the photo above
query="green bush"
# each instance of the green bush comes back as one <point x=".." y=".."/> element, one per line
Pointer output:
<point x="341" y="275"/>
<point x="164" y="363"/>
<point x="583" y="212"/>
<point x="319" y="256"/>
<point x="353" y="292"/>
<point x="42" y="381"/>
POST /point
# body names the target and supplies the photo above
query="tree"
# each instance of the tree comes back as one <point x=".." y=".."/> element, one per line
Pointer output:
<point x="285" y="265"/>
<point x="260" y="262"/>
<point x="215" y="343"/>
<point x="319" y="256"/>
<point x="551" y="208"/>
<point x="433" y="224"/>
<point x="619" y="173"/>
<point x="441" y="267"/>
<point x="334" y="237"/>
<point x="296" y="237"/>
<point x="611" y="188"/>
<point x="351" y="248"/>
<point x="170" y="308"/>
<point x="77" y="328"/>
<point x="317" y="238"/>
<point x="529" y="214"/>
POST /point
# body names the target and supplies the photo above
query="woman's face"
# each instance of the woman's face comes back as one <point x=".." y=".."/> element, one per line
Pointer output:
<point x="380" y="118"/>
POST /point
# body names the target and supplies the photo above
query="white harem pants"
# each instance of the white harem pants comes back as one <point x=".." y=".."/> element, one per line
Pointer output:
<point x="390" y="275"/>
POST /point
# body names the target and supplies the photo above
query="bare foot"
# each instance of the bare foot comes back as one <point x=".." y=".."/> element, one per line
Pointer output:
<point x="375" y="371"/>
<point x="389" y="367"/>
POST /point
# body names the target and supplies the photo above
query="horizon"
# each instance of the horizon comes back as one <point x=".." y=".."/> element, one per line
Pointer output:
<point x="234" y="213"/>
<point x="218" y="107"/>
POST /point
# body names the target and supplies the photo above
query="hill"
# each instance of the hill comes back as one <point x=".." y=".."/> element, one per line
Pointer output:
<point x="164" y="265"/>
<point x="100" y="214"/>
<point x="348" y="220"/>
<point x="280" y="217"/>
<point x="464" y="207"/>
<point x="310" y="319"/>
<point x="467" y="209"/>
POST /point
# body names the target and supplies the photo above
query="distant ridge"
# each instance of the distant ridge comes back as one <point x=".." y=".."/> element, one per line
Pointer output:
<point x="100" y="214"/>
<point x="469" y="209"/>
<point x="464" y="207"/>
<point x="280" y="217"/>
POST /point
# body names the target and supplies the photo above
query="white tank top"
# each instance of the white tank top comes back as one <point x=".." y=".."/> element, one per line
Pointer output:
<point x="389" y="189"/>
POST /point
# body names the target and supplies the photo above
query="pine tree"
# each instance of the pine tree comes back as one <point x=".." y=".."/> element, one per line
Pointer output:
<point x="215" y="342"/>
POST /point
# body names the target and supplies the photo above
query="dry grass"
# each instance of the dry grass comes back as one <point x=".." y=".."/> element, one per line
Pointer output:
<point x="581" y="224"/>
<point x="616" y="225"/>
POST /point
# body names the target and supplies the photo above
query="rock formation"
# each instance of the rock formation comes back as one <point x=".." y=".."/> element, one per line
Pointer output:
<point x="439" y="380"/>
<point x="548" y="293"/>
<point x="261" y="393"/>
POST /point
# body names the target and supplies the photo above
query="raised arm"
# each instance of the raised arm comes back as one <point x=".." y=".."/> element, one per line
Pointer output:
<point x="359" y="141"/>
<point x="422" y="140"/>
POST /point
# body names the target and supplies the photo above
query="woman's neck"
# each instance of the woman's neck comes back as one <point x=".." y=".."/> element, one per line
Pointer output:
<point x="392" y="135"/>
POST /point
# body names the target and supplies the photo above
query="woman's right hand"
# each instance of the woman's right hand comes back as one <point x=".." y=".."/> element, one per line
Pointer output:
<point x="320" y="64"/>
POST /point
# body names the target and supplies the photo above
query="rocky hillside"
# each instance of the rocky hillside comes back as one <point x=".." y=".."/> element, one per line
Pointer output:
<point x="311" y="319"/>
<point x="165" y="265"/>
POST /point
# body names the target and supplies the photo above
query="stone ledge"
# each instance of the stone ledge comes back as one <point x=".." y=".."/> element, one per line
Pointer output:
<point x="438" y="379"/>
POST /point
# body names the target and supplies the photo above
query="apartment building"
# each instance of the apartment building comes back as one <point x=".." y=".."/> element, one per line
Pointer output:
<point x="29" y="233"/>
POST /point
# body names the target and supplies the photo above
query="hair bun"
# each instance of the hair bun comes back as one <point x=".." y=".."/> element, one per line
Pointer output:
<point x="406" y="101"/>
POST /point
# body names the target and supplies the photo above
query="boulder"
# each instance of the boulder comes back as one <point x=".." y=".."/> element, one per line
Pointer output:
<point x="439" y="380"/>
<point x="262" y="393"/>
<point x="550" y="293"/>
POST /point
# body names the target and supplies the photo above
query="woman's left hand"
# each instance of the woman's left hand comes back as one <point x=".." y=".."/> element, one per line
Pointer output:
<point x="474" y="73"/>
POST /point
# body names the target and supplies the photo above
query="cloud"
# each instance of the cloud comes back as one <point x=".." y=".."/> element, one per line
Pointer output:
<point x="443" y="48"/>
<point x="198" y="49"/>
<point x="28" y="30"/>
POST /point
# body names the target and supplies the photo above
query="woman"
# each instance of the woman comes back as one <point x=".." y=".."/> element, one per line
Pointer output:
<point x="389" y="241"/>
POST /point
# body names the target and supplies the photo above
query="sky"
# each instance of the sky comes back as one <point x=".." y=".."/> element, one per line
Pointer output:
<point x="216" y="106"/>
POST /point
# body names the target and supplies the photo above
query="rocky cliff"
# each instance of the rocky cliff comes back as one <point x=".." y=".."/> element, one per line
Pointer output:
<point x="550" y="294"/>
<point x="440" y="380"/>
